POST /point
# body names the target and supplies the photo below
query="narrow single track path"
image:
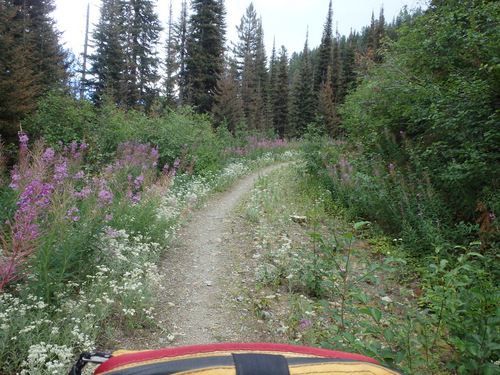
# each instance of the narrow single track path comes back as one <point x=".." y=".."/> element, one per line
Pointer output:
<point x="205" y="276"/>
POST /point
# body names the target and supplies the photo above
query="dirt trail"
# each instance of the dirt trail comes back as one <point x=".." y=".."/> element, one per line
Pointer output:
<point x="208" y="280"/>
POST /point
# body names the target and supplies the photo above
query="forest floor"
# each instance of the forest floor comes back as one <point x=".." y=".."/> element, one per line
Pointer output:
<point x="210" y="292"/>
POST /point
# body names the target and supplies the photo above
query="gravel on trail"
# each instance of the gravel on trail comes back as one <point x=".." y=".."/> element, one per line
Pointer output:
<point x="208" y="286"/>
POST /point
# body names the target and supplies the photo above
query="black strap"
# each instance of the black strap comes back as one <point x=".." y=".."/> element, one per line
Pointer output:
<point x="260" y="364"/>
<point x="85" y="358"/>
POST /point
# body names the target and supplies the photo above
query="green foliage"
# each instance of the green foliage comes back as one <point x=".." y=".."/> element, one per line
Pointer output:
<point x="62" y="118"/>
<point x="464" y="296"/>
<point x="125" y="65"/>
<point x="455" y="320"/>
<point x="433" y="102"/>
<point x="205" y="49"/>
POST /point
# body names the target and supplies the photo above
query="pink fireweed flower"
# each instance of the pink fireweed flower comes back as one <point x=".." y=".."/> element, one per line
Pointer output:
<point x="23" y="140"/>
<point x="304" y="323"/>
<point x="108" y="217"/>
<point x="73" y="210"/>
<point x="15" y="178"/>
<point x="60" y="173"/>
<point x="48" y="156"/>
<point x="83" y="194"/>
<point x="136" y="198"/>
<point x="112" y="233"/>
<point x="79" y="175"/>
<point x="105" y="196"/>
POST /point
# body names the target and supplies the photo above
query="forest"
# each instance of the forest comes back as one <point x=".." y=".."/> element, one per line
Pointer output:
<point x="399" y="122"/>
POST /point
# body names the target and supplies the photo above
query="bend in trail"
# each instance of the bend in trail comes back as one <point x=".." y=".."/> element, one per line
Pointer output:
<point x="203" y="277"/>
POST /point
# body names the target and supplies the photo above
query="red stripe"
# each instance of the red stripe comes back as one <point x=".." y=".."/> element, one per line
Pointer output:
<point x="130" y="358"/>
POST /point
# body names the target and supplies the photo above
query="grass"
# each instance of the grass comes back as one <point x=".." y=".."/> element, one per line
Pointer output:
<point x="107" y="230"/>
<point x="355" y="289"/>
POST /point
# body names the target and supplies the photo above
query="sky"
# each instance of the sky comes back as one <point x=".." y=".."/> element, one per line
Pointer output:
<point x="285" y="21"/>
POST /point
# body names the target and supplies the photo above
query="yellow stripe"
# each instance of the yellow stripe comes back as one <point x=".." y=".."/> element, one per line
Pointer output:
<point x="326" y="368"/>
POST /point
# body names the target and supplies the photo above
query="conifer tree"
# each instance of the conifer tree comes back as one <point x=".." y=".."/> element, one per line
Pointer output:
<point x="228" y="106"/>
<point x="171" y="63"/>
<point x="336" y="71"/>
<point x="251" y="60"/>
<point x="349" y="75"/>
<point x="327" y="110"/>
<point x="125" y="64"/>
<point x="31" y="59"/>
<point x="273" y="73"/>
<point x="303" y="106"/>
<point x="205" y="51"/>
<point x="19" y="86"/>
<point x="324" y="51"/>
<point x="46" y="52"/>
<point x="281" y="97"/>
<point x="180" y="36"/>
<point x="143" y="36"/>
<point x="109" y="67"/>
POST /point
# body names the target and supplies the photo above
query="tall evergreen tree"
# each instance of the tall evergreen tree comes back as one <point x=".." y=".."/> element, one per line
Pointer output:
<point x="303" y="106"/>
<point x="281" y="97"/>
<point x="349" y="75"/>
<point x="205" y="51"/>
<point x="336" y="71"/>
<point x="228" y="107"/>
<point x="109" y="67"/>
<point x="327" y="108"/>
<point x="47" y="54"/>
<point x="273" y="72"/>
<point x="180" y="36"/>
<point x="125" y="64"/>
<point x="171" y="63"/>
<point x="251" y="60"/>
<point x="31" y="59"/>
<point x="143" y="36"/>
<point x="18" y="80"/>
<point x="324" y="51"/>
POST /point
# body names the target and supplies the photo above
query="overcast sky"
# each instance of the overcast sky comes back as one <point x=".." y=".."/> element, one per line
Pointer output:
<point x="285" y="20"/>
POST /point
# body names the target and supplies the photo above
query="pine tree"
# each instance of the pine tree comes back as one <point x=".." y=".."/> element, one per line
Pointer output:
<point x="125" y="64"/>
<point x="380" y="33"/>
<point x="281" y="97"/>
<point x="349" y="75"/>
<point x="205" y="51"/>
<point x="19" y="85"/>
<point x="109" y="65"/>
<point x="143" y="35"/>
<point x="228" y="107"/>
<point x="303" y="106"/>
<point x="273" y="73"/>
<point x="324" y="51"/>
<point x="46" y="52"/>
<point x="180" y="36"/>
<point x="171" y="63"/>
<point x="336" y="71"/>
<point x="263" y="77"/>
<point x="251" y="62"/>
<point x="31" y="59"/>
<point x="327" y="110"/>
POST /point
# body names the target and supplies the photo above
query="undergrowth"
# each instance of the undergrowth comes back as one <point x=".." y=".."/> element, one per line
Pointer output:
<point x="355" y="289"/>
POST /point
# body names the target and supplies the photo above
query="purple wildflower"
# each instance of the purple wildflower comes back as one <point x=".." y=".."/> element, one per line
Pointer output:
<point x="304" y="323"/>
